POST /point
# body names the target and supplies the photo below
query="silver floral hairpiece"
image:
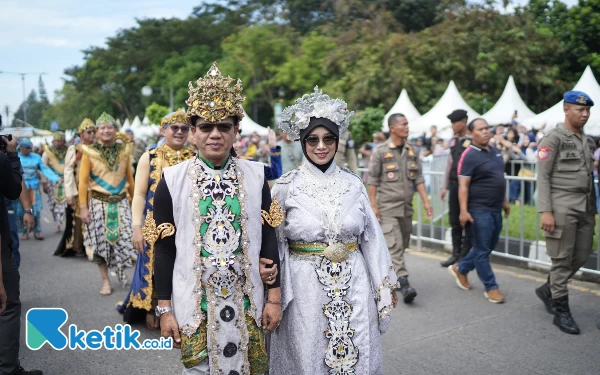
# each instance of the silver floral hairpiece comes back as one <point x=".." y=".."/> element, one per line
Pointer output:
<point x="297" y="116"/>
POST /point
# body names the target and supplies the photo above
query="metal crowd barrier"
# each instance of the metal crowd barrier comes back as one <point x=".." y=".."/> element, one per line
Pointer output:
<point x="528" y="250"/>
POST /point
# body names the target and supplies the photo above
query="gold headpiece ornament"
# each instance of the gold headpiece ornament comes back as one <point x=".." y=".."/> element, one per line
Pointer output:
<point x="215" y="99"/>
<point x="174" y="117"/>
<point x="86" y="123"/>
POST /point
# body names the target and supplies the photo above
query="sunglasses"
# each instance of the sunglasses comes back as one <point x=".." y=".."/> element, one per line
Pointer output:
<point x="176" y="128"/>
<point x="208" y="128"/>
<point x="313" y="140"/>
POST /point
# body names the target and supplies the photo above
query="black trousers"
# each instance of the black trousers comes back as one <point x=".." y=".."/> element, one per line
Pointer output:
<point x="462" y="238"/>
<point x="10" y="320"/>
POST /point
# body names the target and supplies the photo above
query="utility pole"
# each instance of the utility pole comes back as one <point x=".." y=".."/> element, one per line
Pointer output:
<point x="7" y="110"/>
<point x="25" y="104"/>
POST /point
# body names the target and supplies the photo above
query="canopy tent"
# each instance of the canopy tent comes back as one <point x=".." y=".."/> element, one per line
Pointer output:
<point x="248" y="126"/>
<point x="450" y="101"/>
<point x="140" y="129"/>
<point x="509" y="102"/>
<point x="126" y="124"/>
<point x="588" y="84"/>
<point x="403" y="105"/>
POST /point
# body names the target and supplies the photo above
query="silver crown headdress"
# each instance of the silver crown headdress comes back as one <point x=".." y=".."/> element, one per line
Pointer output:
<point x="297" y="117"/>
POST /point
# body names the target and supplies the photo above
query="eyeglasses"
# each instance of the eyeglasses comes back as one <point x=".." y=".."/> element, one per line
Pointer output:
<point x="176" y="128"/>
<point x="313" y="140"/>
<point x="221" y="127"/>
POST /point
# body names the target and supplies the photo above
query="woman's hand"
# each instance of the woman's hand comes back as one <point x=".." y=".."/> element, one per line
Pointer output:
<point x="138" y="239"/>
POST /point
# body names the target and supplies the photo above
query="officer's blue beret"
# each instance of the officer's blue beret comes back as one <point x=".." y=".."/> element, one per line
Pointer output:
<point x="25" y="143"/>
<point x="579" y="98"/>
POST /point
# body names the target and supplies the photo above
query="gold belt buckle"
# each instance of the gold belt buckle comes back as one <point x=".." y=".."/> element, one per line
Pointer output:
<point x="337" y="252"/>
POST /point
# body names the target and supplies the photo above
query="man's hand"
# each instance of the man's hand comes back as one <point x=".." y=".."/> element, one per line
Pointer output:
<point x="548" y="222"/>
<point x="3" y="297"/>
<point x="11" y="146"/>
<point x="272" y="137"/>
<point x="506" y="208"/>
<point x="45" y="187"/>
<point x="394" y="298"/>
<point x="170" y="328"/>
<point x="28" y="222"/>
<point x="71" y="202"/>
<point x="268" y="275"/>
<point x="465" y="217"/>
<point x="376" y="212"/>
<point x="84" y="213"/>
<point x="428" y="210"/>
<point x="138" y="239"/>
<point x="443" y="194"/>
<point x="271" y="316"/>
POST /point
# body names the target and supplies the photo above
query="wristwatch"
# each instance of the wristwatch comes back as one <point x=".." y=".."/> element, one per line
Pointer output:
<point x="162" y="310"/>
<point x="29" y="211"/>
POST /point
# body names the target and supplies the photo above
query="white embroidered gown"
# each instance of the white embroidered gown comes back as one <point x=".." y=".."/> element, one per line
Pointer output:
<point x="333" y="313"/>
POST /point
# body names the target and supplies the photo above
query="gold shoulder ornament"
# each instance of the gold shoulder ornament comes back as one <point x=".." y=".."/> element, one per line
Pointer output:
<point x="275" y="215"/>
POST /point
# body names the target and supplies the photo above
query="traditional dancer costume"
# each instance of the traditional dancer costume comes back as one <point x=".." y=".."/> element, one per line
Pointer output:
<point x="149" y="171"/>
<point x="72" y="239"/>
<point x="54" y="158"/>
<point x="107" y="172"/>
<point x="209" y="268"/>
<point x="336" y="275"/>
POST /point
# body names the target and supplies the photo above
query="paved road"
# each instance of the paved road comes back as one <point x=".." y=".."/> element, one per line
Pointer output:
<point x="446" y="331"/>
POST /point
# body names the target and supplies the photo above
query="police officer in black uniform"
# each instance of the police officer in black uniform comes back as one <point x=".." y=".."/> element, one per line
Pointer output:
<point x="461" y="237"/>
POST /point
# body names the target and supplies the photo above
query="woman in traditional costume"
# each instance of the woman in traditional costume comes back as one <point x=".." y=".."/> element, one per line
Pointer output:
<point x="336" y="271"/>
<point x="106" y="170"/>
<point x="72" y="239"/>
<point x="141" y="300"/>
<point x="54" y="158"/>
<point x="32" y="163"/>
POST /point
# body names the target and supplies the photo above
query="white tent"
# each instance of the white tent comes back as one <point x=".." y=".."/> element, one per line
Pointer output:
<point x="146" y="121"/>
<point x="509" y="102"/>
<point x="141" y="130"/>
<point x="588" y="84"/>
<point x="248" y="126"/>
<point x="450" y="101"/>
<point x="126" y="124"/>
<point x="135" y="123"/>
<point x="403" y="105"/>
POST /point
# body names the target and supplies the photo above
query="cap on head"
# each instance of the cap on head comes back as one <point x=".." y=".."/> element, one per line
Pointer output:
<point x="59" y="135"/>
<point x="578" y="98"/>
<point x="25" y="143"/>
<point x="457" y="115"/>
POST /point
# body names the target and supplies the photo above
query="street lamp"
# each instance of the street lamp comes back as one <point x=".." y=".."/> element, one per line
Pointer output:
<point x="147" y="91"/>
<point x="25" y="104"/>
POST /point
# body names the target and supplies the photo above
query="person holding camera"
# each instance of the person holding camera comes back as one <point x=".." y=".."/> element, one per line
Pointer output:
<point x="10" y="305"/>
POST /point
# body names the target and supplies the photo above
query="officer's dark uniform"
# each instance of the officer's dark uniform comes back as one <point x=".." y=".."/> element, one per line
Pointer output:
<point x="461" y="237"/>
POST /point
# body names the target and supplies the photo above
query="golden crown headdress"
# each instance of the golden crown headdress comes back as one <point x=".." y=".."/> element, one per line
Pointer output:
<point x="214" y="98"/>
<point x="174" y="117"/>
<point x="86" y="123"/>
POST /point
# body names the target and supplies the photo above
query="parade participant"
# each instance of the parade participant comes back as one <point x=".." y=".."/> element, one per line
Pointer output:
<point x="32" y="163"/>
<point x="141" y="300"/>
<point x="273" y="171"/>
<point x="482" y="197"/>
<point x="54" y="158"/>
<point x="346" y="154"/>
<point x="461" y="237"/>
<point x="395" y="173"/>
<point x="107" y="172"/>
<point x="139" y="147"/>
<point x="208" y="213"/>
<point x="567" y="203"/>
<point x="336" y="269"/>
<point x="72" y="239"/>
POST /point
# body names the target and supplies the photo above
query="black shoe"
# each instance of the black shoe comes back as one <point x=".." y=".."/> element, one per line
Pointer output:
<point x="450" y="261"/>
<point x="408" y="292"/>
<point x="563" y="318"/>
<point x="543" y="292"/>
<point x="22" y="371"/>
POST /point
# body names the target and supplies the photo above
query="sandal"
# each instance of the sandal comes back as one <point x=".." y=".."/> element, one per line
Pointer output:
<point x="25" y="236"/>
<point x="38" y="236"/>
<point x="106" y="290"/>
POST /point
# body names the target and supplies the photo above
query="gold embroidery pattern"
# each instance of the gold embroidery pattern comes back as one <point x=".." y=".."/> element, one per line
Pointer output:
<point x="149" y="230"/>
<point x="165" y="230"/>
<point x="94" y="153"/>
<point x="275" y="215"/>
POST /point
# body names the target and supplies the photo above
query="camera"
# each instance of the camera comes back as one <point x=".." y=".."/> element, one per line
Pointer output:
<point x="9" y="137"/>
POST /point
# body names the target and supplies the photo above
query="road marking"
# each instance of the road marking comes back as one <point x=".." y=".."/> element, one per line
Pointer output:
<point x="572" y="283"/>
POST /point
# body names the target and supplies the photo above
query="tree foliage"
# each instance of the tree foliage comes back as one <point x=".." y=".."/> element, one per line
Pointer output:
<point x="365" y="123"/>
<point x="156" y="112"/>
<point x="362" y="51"/>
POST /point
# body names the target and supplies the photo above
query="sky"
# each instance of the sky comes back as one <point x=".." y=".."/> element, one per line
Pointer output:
<point x="48" y="36"/>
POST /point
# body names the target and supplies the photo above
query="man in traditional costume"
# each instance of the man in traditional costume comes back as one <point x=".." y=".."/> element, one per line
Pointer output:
<point x="72" y="239"/>
<point x="208" y="212"/>
<point x="106" y="171"/>
<point x="141" y="300"/>
<point x="337" y="278"/>
<point x="32" y="163"/>
<point x="54" y="158"/>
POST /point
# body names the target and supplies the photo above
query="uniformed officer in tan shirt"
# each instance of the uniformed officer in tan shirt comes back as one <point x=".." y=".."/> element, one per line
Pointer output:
<point x="567" y="202"/>
<point x="394" y="173"/>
